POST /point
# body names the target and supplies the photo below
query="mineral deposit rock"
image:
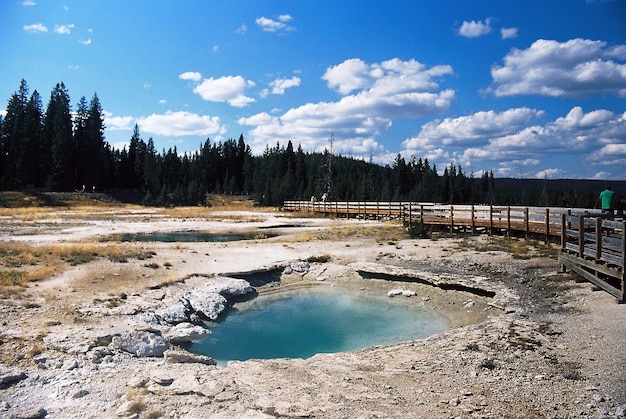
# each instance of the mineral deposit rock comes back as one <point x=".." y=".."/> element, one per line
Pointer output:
<point x="141" y="344"/>
<point x="185" y="332"/>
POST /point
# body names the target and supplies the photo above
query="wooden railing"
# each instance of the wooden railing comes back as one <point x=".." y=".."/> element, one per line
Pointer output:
<point x="595" y="248"/>
<point x="591" y="245"/>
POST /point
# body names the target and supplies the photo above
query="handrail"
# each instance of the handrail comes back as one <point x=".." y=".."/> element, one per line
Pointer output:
<point x="591" y="245"/>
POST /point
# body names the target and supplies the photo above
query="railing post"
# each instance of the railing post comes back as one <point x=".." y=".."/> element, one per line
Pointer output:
<point x="451" y="219"/>
<point x="508" y="221"/>
<point x="598" y="239"/>
<point x="563" y="239"/>
<point x="581" y="236"/>
<point x="526" y="223"/>
<point x="623" y="300"/>
<point x="410" y="215"/>
<point x="422" y="213"/>
<point x="490" y="220"/>
<point x="473" y="227"/>
<point x="547" y="225"/>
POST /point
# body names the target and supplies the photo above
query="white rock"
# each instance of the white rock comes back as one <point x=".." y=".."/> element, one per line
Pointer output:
<point x="141" y="344"/>
<point x="233" y="286"/>
<point x="184" y="357"/>
<point x="185" y="332"/>
<point x="174" y="314"/>
<point x="408" y="293"/>
<point x="394" y="292"/>
<point x="208" y="304"/>
<point x="300" y="266"/>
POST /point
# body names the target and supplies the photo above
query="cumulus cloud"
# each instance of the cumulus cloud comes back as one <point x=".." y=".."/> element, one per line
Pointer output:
<point x="475" y="29"/>
<point x="475" y="129"/>
<point x="508" y="33"/>
<point x="578" y="67"/>
<point x="64" y="29"/>
<point x="190" y="75"/>
<point x="510" y="140"/>
<point x="373" y="96"/>
<point x="85" y="41"/>
<point x="610" y="155"/>
<point x="177" y="124"/>
<point x="117" y="123"/>
<point x="280" y="85"/>
<point x="228" y="89"/>
<point x="278" y="25"/>
<point x="35" y="28"/>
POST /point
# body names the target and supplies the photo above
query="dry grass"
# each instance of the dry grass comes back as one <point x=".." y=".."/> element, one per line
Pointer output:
<point x="381" y="233"/>
<point x="21" y="264"/>
<point x="518" y="248"/>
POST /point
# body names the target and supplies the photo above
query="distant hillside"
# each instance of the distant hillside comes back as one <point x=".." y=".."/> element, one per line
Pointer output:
<point x="567" y="187"/>
<point x="563" y="185"/>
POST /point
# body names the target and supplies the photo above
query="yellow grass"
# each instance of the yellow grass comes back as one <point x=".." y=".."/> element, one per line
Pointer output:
<point x="21" y="263"/>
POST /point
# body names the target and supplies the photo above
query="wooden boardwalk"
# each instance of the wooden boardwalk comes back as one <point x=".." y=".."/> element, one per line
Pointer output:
<point x="591" y="246"/>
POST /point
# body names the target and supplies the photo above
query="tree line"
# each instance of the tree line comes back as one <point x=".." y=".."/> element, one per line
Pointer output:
<point x="58" y="149"/>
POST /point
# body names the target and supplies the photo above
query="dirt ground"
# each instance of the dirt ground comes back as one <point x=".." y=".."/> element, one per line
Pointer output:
<point x="525" y="340"/>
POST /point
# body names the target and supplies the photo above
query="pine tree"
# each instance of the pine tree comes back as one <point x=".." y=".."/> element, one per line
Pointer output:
<point x="12" y="136"/>
<point x="59" y="128"/>
<point x="96" y="145"/>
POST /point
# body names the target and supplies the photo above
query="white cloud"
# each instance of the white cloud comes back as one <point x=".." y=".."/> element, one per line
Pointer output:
<point x="280" y="85"/>
<point x="35" y="28"/>
<point x="578" y="67"/>
<point x="85" y="41"/>
<point x="475" y="29"/>
<point x="270" y="25"/>
<point x="28" y="3"/>
<point x="117" y="123"/>
<point x="387" y="78"/>
<point x="550" y="174"/>
<point x="228" y="89"/>
<point x="610" y="155"/>
<point x="162" y="101"/>
<point x="597" y="137"/>
<point x="241" y="30"/>
<point x="475" y="129"/>
<point x="508" y="33"/>
<point x="64" y="29"/>
<point x="177" y="124"/>
<point x="385" y="91"/>
<point x="190" y="75"/>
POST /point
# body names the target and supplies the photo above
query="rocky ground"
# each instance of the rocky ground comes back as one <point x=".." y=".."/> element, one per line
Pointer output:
<point x="93" y="339"/>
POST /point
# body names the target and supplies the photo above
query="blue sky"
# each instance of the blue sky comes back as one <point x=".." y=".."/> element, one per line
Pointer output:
<point x="528" y="89"/>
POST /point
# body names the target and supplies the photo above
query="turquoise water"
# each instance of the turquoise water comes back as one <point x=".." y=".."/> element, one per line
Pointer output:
<point x="300" y="325"/>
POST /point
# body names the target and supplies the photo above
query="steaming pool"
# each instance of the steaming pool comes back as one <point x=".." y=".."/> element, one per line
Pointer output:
<point x="300" y="324"/>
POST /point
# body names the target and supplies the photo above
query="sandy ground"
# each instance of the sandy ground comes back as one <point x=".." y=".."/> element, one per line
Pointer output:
<point x="525" y="340"/>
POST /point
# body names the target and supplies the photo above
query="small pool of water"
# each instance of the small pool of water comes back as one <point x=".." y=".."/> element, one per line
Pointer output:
<point x="302" y="324"/>
<point x="190" y="236"/>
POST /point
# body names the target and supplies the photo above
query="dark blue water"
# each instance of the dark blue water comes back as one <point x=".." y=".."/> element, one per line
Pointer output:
<point x="303" y="324"/>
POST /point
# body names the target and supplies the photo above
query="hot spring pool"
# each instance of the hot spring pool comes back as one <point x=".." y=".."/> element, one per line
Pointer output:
<point x="304" y="323"/>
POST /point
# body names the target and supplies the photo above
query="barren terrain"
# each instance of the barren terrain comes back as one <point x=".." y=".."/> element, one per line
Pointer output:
<point x="525" y="340"/>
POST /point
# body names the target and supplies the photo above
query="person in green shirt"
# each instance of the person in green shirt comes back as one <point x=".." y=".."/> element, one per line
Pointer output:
<point x="607" y="200"/>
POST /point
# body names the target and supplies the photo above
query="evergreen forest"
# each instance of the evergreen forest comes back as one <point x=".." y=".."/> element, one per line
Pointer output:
<point x="63" y="148"/>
